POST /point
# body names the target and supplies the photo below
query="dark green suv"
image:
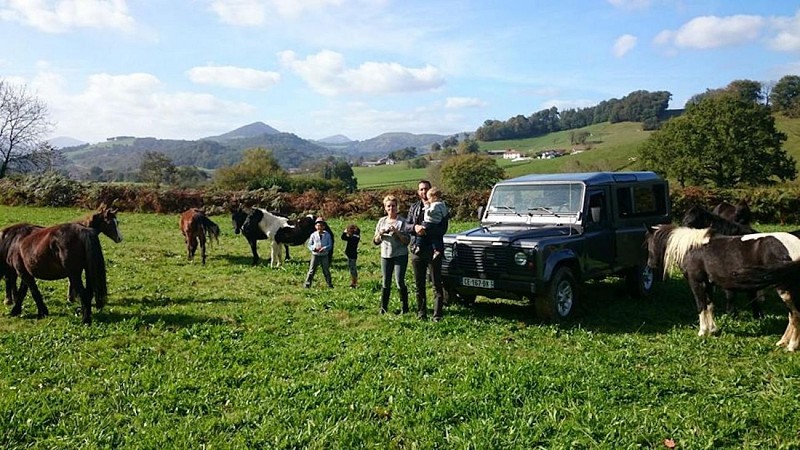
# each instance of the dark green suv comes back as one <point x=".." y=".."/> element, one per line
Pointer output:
<point x="541" y="235"/>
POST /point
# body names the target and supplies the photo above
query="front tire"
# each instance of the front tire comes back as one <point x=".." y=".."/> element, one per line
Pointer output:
<point x="559" y="299"/>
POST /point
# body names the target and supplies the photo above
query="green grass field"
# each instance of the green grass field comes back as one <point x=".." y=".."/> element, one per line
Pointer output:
<point x="232" y="356"/>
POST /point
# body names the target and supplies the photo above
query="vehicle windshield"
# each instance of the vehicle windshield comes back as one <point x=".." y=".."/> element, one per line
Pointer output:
<point x="551" y="199"/>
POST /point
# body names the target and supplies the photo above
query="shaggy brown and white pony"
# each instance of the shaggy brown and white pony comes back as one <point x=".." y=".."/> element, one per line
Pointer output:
<point x="707" y="261"/>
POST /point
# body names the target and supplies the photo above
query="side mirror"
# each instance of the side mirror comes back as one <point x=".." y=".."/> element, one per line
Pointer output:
<point x="480" y="212"/>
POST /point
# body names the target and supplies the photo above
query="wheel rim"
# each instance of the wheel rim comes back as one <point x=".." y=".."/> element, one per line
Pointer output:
<point x="564" y="298"/>
<point x="647" y="278"/>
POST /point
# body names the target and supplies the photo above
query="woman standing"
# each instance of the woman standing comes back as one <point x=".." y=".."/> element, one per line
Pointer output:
<point x="393" y="240"/>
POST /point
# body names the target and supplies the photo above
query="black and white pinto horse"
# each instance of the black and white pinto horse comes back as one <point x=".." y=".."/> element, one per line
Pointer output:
<point x="252" y="222"/>
<point x="260" y="224"/>
<point x="706" y="261"/>
<point x="698" y="217"/>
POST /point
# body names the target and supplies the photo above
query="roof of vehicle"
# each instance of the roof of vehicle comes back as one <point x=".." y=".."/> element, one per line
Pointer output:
<point x="590" y="178"/>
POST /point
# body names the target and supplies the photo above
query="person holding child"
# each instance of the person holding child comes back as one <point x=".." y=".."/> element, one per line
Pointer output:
<point x="352" y="235"/>
<point x="320" y="244"/>
<point x="390" y="234"/>
<point x="422" y="254"/>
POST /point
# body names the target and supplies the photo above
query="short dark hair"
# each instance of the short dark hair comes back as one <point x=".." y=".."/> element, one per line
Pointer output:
<point x="426" y="182"/>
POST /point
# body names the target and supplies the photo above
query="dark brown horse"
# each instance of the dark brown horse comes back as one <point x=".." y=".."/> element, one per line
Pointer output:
<point x="63" y="251"/>
<point x="8" y="238"/>
<point x="739" y="213"/>
<point x="197" y="227"/>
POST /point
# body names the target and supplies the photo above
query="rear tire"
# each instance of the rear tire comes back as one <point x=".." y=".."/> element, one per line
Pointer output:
<point x="559" y="299"/>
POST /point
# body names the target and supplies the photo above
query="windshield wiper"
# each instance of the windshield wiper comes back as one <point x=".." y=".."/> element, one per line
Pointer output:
<point x="543" y="208"/>
<point x="510" y="209"/>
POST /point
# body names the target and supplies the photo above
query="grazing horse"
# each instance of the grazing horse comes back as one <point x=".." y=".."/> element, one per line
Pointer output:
<point x="196" y="226"/>
<point x="698" y="217"/>
<point x="739" y="213"/>
<point x="707" y="261"/>
<point x="8" y="238"/>
<point x="262" y="224"/>
<point x="251" y="233"/>
<point x="64" y="251"/>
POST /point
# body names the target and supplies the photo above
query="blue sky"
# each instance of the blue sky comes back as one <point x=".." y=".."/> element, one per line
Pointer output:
<point x="186" y="69"/>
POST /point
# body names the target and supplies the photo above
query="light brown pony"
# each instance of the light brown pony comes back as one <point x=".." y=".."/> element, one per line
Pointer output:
<point x="197" y="227"/>
<point x="63" y="251"/>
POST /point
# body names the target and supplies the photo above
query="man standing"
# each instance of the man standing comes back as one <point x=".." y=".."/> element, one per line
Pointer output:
<point x="422" y="255"/>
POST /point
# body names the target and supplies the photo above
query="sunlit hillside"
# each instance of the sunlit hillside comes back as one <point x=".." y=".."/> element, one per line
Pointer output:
<point x="609" y="147"/>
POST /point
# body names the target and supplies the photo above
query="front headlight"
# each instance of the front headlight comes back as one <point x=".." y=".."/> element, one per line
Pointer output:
<point x="449" y="254"/>
<point x="520" y="258"/>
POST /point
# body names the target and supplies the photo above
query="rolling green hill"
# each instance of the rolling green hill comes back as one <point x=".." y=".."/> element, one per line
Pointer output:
<point x="609" y="147"/>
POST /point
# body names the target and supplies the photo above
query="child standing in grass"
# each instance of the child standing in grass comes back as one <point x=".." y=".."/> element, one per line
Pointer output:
<point x="320" y="244"/>
<point x="352" y="235"/>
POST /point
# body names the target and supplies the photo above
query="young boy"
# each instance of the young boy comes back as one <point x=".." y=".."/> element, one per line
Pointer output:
<point x="352" y="235"/>
<point x="435" y="213"/>
<point x="320" y="244"/>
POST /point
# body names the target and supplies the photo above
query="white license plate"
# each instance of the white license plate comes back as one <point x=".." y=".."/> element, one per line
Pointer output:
<point x="477" y="282"/>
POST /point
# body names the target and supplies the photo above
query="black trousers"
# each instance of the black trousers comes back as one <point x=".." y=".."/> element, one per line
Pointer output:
<point x="420" y="263"/>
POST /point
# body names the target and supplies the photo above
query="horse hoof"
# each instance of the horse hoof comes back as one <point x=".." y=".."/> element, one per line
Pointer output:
<point x="8" y="302"/>
<point x="15" y="313"/>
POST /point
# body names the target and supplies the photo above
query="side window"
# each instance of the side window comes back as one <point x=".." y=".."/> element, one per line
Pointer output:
<point x="598" y="207"/>
<point x="642" y="200"/>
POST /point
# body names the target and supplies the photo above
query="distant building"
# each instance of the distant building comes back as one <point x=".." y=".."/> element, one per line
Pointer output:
<point x="511" y="154"/>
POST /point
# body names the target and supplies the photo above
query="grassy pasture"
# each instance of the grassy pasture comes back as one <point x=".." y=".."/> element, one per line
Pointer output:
<point x="233" y="356"/>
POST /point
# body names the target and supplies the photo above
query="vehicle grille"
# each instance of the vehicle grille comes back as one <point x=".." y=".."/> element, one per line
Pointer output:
<point x="487" y="259"/>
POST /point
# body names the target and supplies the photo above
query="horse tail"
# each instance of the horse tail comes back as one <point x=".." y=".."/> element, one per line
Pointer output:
<point x="95" y="268"/>
<point x="761" y="277"/>
<point x="210" y="229"/>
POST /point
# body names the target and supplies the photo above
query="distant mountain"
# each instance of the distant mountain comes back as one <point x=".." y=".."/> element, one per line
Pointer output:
<point x="384" y="144"/>
<point x="248" y="131"/>
<point x="124" y="153"/>
<point x="335" y="139"/>
<point x="64" y="142"/>
<point x="389" y="142"/>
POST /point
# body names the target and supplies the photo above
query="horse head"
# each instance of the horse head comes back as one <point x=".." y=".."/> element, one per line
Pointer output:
<point x="696" y="217"/>
<point x="105" y="221"/>
<point x="238" y="216"/>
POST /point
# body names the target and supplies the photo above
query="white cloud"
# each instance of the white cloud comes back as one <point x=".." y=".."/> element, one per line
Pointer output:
<point x="63" y="15"/>
<point x="327" y="73"/>
<point x="630" y="4"/>
<point x="135" y="104"/>
<point x="256" y="12"/>
<point x="787" y="38"/>
<point x="234" y="77"/>
<point x="240" y="12"/>
<point x="567" y="104"/>
<point x="624" y="44"/>
<point x="463" y="102"/>
<point x="712" y="32"/>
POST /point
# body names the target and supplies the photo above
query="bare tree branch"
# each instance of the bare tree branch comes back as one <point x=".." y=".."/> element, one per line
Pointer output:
<point x="23" y="125"/>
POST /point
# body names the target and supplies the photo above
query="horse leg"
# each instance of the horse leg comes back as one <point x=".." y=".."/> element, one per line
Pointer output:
<point x="730" y="306"/>
<point x="86" y="298"/>
<point x="791" y="337"/>
<point x="41" y="308"/>
<point x="254" y="249"/>
<point x="192" y="246"/>
<point x="276" y="255"/>
<point x="73" y="292"/>
<point x="17" y="295"/>
<point x="10" y="288"/>
<point x="757" y="299"/>
<point x="203" y="248"/>
<point x="286" y="247"/>
<point x="704" y="309"/>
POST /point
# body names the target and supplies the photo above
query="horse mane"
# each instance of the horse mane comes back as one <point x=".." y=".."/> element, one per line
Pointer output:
<point x="698" y="217"/>
<point x="677" y="241"/>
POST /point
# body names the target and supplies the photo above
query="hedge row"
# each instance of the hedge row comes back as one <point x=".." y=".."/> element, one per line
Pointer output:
<point x="769" y="204"/>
